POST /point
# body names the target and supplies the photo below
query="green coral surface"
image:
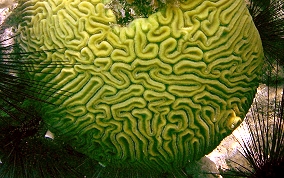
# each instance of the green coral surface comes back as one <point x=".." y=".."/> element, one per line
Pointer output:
<point x="155" y="94"/>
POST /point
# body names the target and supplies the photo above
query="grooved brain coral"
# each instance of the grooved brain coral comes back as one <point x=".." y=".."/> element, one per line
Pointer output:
<point x="158" y="93"/>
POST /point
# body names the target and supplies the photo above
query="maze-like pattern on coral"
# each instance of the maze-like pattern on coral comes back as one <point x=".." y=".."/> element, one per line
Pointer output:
<point x="157" y="93"/>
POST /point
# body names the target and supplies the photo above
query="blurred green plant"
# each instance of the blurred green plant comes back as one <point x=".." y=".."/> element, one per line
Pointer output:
<point x="128" y="10"/>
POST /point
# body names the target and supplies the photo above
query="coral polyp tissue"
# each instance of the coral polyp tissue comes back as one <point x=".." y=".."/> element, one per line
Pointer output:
<point x="156" y="93"/>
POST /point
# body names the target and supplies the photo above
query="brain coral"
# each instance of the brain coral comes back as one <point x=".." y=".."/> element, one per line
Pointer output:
<point x="157" y="93"/>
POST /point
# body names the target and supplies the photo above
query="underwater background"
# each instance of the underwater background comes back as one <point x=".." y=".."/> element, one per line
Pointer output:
<point x="27" y="152"/>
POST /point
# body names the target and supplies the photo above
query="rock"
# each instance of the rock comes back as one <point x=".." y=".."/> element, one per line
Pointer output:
<point x="204" y="168"/>
<point x="227" y="155"/>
